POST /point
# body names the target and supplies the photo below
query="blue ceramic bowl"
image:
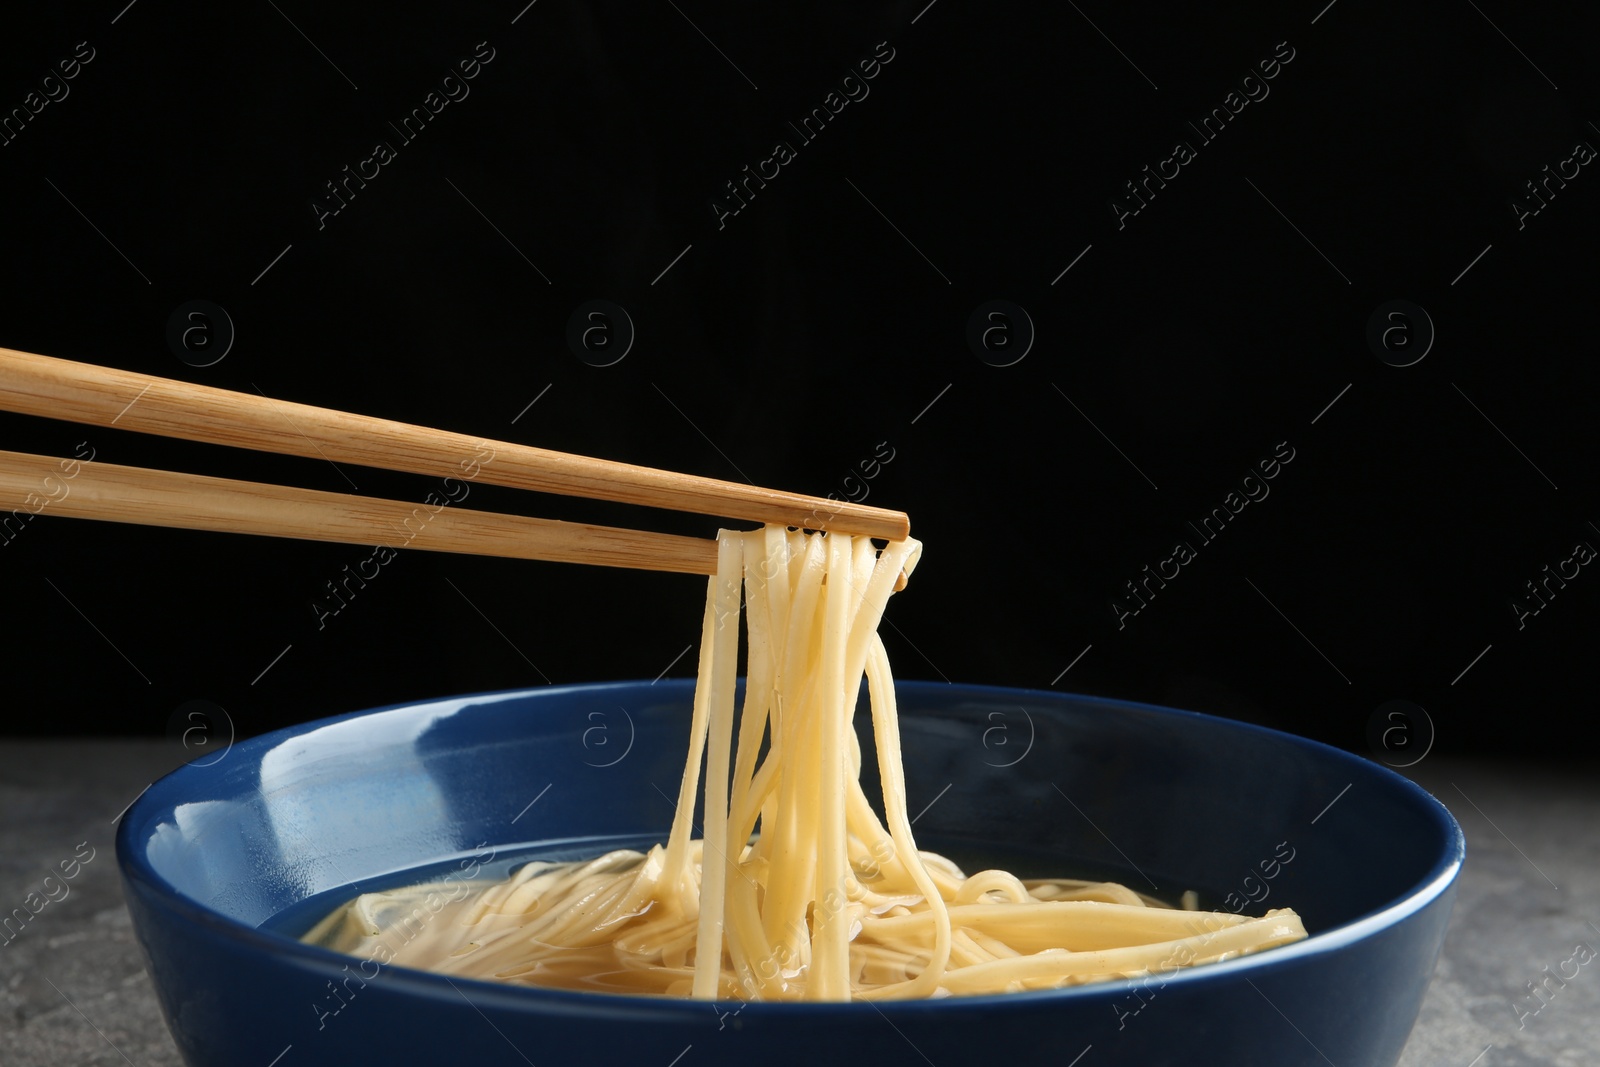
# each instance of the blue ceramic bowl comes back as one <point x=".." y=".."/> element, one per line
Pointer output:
<point x="222" y="864"/>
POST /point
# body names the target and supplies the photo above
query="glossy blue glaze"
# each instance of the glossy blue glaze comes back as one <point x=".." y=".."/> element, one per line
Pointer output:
<point x="1162" y="798"/>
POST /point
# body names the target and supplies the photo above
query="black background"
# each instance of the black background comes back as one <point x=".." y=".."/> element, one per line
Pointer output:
<point x="827" y="318"/>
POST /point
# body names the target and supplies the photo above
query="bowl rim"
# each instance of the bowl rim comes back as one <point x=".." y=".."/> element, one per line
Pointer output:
<point x="1441" y="876"/>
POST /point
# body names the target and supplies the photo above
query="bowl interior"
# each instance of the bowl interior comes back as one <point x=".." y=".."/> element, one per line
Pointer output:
<point x="1041" y="783"/>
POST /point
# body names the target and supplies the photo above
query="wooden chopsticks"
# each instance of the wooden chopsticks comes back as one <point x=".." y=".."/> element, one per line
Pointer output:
<point x="102" y="396"/>
<point x="195" y="502"/>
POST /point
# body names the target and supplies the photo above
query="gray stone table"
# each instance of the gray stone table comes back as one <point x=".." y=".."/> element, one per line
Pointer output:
<point x="73" y="988"/>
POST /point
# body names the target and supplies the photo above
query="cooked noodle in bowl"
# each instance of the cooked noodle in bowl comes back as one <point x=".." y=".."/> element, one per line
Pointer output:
<point x="797" y="889"/>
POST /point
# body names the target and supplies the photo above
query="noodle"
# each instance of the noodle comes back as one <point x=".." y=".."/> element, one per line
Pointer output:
<point x="826" y="901"/>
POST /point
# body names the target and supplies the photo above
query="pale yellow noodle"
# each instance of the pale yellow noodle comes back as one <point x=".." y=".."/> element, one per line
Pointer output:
<point x="798" y="888"/>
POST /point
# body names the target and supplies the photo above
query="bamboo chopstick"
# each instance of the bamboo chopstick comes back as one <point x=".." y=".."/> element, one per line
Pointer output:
<point x="103" y="396"/>
<point x="196" y="502"/>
